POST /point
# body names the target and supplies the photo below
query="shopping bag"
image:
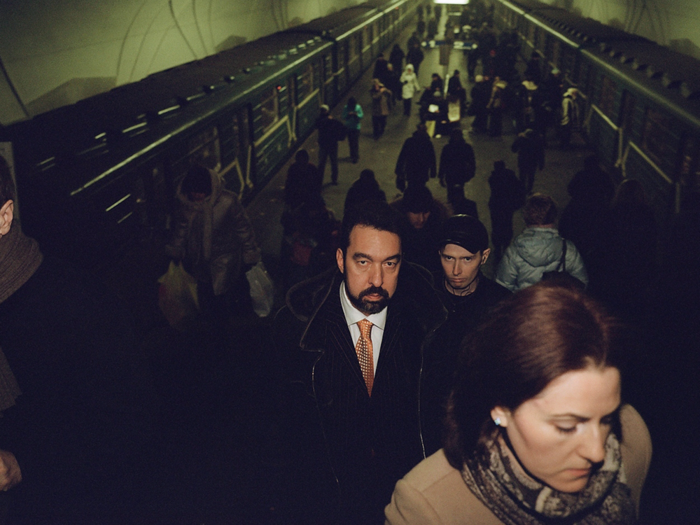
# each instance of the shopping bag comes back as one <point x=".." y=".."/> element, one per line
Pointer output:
<point x="262" y="289"/>
<point x="177" y="296"/>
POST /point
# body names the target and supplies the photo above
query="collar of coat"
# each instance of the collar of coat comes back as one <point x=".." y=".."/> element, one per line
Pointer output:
<point x="314" y="301"/>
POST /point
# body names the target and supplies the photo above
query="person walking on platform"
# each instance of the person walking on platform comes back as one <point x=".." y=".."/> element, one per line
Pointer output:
<point x="303" y="181"/>
<point x="352" y="116"/>
<point x="381" y="100"/>
<point x="214" y="239"/>
<point x="480" y="95"/>
<point x="352" y="340"/>
<point x="330" y="132"/>
<point x="507" y="195"/>
<point x="539" y="249"/>
<point x="364" y="189"/>
<point x="454" y="87"/>
<point x="468" y="296"/>
<point x="413" y="41"/>
<point x="529" y="146"/>
<point x="416" y="162"/>
<point x="571" y="117"/>
<point x="396" y="57"/>
<point x="415" y="56"/>
<point x="425" y="216"/>
<point x="495" y="107"/>
<point x="432" y="28"/>
<point x="380" y="68"/>
<point x="409" y="85"/>
<point x="457" y="165"/>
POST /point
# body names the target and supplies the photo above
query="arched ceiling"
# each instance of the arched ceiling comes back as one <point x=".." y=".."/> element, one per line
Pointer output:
<point x="55" y="52"/>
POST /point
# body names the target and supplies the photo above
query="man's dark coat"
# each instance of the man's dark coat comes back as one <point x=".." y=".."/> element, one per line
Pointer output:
<point x="354" y="448"/>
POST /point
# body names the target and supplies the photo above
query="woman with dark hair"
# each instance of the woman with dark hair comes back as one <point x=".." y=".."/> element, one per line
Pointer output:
<point x="535" y="424"/>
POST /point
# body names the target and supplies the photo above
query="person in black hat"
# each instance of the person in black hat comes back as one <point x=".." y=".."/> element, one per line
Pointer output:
<point x="424" y="217"/>
<point x="463" y="246"/>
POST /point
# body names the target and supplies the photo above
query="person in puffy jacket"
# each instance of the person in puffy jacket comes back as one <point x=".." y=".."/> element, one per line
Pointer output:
<point x="213" y="237"/>
<point x="409" y="85"/>
<point x="538" y="249"/>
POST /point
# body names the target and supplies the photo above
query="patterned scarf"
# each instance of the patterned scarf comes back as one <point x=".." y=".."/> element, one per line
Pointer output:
<point x="517" y="499"/>
<point x="19" y="259"/>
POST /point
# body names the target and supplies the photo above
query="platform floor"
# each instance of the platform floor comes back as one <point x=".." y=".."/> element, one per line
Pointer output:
<point x="218" y="458"/>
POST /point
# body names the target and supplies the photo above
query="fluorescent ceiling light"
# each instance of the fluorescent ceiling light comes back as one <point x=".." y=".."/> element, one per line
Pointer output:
<point x="453" y="2"/>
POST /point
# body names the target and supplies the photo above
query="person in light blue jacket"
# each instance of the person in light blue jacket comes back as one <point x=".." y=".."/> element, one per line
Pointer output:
<point x="538" y="249"/>
<point x="352" y="115"/>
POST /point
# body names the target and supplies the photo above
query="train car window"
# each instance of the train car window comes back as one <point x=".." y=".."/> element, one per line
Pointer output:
<point x="627" y="111"/>
<point x="203" y="148"/>
<point x="305" y="82"/>
<point x="354" y="47"/>
<point x="270" y="108"/>
<point x="555" y="53"/>
<point x="606" y="99"/>
<point x="377" y="31"/>
<point x="366" y="36"/>
<point x="689" y="175"/>
<point x="531" y="32"/>
<point x="291" y="92"/>
<point x="657" y="137"/>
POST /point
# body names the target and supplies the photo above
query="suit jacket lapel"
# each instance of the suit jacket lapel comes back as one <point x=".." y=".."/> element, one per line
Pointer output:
<point x="337" y="334"/>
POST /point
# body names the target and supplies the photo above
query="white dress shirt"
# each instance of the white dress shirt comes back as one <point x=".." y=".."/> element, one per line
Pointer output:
<point x="354" y="316"/>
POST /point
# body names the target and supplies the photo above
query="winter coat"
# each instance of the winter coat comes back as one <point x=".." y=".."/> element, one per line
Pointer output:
<point x="533" y="252"/>
<point x="409" y="82"/>
<point x="353" y="444"/>
<point x="380" y="101"/>
<point x="529" y="146"/>
<point x="457" y="163"/>
<point x="416" y="162"/>
<point x="434" y="492"/>
<point x="214" y="237"/>
<point x="330" y="132"/>
<point x="396" y="57"/>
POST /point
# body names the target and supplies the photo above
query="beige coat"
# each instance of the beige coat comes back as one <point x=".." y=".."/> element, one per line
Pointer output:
<point x="434" y="493"/>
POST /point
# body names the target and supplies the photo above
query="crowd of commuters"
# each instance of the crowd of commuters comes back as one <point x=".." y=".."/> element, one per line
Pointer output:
<point x="412" y="387"/>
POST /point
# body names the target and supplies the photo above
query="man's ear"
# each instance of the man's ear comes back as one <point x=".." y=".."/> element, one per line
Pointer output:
<point x="485" y="255"/>
<point x="7" y="213"/>
<point x="340" y="259"/>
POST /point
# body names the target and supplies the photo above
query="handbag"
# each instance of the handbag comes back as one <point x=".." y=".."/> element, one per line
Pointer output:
<point x="177" y="296"/>
<point x="262" y="289"/>
<point x="560" y="276"/>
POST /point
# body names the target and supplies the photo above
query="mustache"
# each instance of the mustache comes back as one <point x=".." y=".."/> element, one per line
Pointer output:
<point x="374" y="290"/>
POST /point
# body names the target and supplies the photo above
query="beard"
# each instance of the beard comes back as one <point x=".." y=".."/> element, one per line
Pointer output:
<point x="366" y="306"/>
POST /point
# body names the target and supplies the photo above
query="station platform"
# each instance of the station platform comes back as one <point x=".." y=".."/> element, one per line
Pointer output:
<point x="218" y="458"/>
<point x="381" y="156"/>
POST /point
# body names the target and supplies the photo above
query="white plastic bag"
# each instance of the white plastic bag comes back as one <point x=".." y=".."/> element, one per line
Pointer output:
<point x="262" y="289"/>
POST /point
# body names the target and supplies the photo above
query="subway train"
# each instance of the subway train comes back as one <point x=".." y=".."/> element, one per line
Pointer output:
<point x="95" y="176"/>
<point x="642" y="100"/>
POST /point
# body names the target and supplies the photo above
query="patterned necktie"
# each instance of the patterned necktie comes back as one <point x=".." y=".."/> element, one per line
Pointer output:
<point x="364" y="353"/>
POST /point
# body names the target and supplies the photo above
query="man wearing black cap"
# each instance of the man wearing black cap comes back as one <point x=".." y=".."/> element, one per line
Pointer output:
<point x="463" y="246"/>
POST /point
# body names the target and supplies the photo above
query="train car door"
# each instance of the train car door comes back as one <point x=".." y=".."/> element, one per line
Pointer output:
<point x="309" y="84"/>
<point x="689" y="172"/>
<point x="236" y="158"/>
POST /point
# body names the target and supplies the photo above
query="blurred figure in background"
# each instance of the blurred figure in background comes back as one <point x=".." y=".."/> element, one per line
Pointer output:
<point x="538" y="249"/>
<point x="352" y="116"/>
